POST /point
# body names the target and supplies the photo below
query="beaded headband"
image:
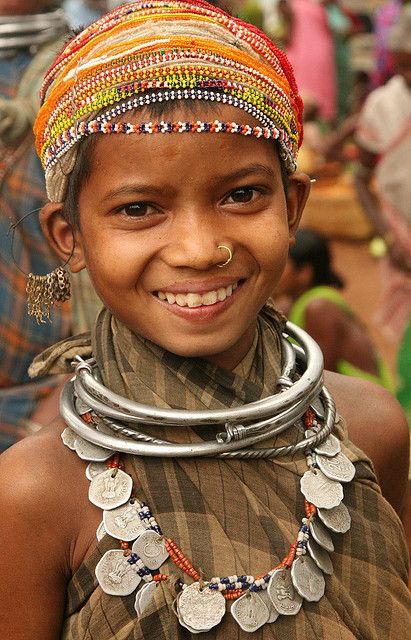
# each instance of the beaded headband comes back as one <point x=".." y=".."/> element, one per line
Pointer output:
<point x="149" y="52"/>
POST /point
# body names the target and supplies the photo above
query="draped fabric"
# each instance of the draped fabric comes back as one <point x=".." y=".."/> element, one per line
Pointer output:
<point x="236" y="516"/>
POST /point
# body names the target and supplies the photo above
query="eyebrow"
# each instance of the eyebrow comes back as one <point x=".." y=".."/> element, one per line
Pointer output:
<point x="149" y="189"/>
<point x="132" y="190"/>
<point x="249" y="170"/>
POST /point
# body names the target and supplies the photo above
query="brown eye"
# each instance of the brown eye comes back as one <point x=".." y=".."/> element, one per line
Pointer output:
<point x="138" y="210"/>
<point x="242" y="195"/>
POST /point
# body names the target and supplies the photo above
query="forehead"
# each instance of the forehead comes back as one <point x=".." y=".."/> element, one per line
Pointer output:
<point x="205" y="154"/>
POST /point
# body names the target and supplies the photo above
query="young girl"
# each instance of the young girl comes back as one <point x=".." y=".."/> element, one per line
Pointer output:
<point x="169" y="134"/>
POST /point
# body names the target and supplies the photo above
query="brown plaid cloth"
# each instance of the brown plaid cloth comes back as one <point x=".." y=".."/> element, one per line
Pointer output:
<point x="238" y="517"/>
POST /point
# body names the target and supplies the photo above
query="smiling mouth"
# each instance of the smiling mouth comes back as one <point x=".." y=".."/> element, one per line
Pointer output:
<point x="193" y="300"/>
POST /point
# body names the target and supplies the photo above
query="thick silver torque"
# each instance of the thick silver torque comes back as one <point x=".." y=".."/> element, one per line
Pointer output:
<point x="238" y="437"/>
<point x="303" y="390"/>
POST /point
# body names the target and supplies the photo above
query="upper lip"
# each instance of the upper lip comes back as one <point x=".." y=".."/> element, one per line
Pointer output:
<point x="200" y="287"/>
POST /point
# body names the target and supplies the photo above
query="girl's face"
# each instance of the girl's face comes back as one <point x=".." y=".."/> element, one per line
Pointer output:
<point x="152" y="215"/>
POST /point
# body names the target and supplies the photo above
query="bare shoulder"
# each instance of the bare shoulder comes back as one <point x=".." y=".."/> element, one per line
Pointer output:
<point x="37" y="471"/>
<point x="42" y="506"/>
<point x="377" y="425"/>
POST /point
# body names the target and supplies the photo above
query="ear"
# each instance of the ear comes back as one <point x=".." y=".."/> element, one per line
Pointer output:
<point x="61" y="236"/>
<point x="298" y="191"/>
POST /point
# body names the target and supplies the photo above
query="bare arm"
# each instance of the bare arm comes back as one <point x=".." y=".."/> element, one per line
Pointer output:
<point x="371" y="206"/>
<point x="377" y="425"/>
<point x="36" y="542"/>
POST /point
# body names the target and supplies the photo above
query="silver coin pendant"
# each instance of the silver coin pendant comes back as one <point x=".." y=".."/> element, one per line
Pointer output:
<point x="89" y="451"/>
<point x="337" y="519"/>
<point x="124" y="522"/>
<point x="199" y="607"/>
<point x="101" y="532"/>
<point x="320" y="556"/>
<point x="286" y="600"/>
<point x="69" y="438"/>
<point x="150" y="546"/>
<point x="307" y="578"/>
<point x="320" y="490"/>
<point x="94" y="468"/>
<point x="330" y="447"/>
<point x="272" y="611"/>
<point x="115" y="575"/>
<point x="338" y="468"/>
<point x="250" y="612"/>
<point x="144" y="596"/>
<point x="321" y="535"/>
<point x="110" y="489"/>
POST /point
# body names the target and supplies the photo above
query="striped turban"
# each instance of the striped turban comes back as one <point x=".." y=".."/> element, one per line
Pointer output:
<point x="147" y="52"/>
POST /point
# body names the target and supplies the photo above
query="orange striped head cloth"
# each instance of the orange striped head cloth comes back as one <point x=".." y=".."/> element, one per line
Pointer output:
<point x="147" y="52"/>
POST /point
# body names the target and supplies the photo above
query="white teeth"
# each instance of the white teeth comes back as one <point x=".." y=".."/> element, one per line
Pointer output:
<point x="181" y="300"/>
<point x="193" y="300"/>
<point x="221" y="294"/>
<point x="210" y="297"/>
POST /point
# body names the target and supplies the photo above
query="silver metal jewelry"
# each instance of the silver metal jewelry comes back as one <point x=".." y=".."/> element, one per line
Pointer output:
<point x="230" y="255"/>
<point x="119" y="420"/>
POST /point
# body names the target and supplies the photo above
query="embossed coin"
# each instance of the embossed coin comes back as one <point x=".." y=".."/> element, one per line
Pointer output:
<point x="321" y="535"/>
<point x="337" y="519"/>
<point x="151" y="549"/>
<point x="94" y="468"/>
<point x="320" y="556"/>
<point x="200" y="608"/>
<point x="110" y="489"/>
<point x="250" y="612"/>
<point x="144" y="596"/>
<point x="69" y="438"/>
<point x="308" y="578"/>
<point x="320" y="490"/>
<point x="272" y="611"/>
<point x="101" y="532"/>
<point x="124" y="522"/>
<point x="89" y="451"/>
<point x="330" y="447"/>
<point x="115" y="575"/>
<point x="282" y="594"/>
<point x="338" y="468"/>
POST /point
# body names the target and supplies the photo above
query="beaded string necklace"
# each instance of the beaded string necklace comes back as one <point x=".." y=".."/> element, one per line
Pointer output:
<point x="255" y="600"/>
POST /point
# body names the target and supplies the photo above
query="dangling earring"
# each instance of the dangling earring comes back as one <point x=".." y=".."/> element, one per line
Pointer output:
<point x="44" y="291"/>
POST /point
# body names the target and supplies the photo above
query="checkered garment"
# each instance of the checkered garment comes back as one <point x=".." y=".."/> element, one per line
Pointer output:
<point x="21" y="338"/>
<point x="236" y="516"/>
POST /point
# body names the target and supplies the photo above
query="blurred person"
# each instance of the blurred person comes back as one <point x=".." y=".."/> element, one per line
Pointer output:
<point x="311" y="52"/>
<point x="30" y="38"/>
<point x="81" y="13"/>
<point x="385" y="18"/>
<point x="384" y="139"/>
<point x="341" y="27"/>
<point x="313" y="301"/>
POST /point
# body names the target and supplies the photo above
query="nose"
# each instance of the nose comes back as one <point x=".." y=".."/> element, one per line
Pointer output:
<point x="197" y="241"/>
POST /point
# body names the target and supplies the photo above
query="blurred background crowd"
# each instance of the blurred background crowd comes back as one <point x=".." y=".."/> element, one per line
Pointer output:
<point x="348" y="280"/>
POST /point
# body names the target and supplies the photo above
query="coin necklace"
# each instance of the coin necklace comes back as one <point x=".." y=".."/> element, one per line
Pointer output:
<point x="201" y="604"/>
